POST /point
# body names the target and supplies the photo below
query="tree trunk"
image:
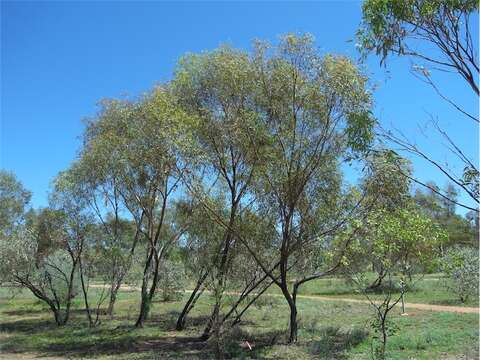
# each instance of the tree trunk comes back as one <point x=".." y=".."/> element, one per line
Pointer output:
<point x="378" y="281"/>
<point x="70" y="294"/>
<point x="113" y="297"/>
<point x="147" y="296"/>
<point x="197" y="291"/>
<point x="111" y="303"/>
<point x="91" y="322"/>
<point x="291" y="300"/>
<point x="293" y="323"/>
<point x="222" y="270"/>
<point x="59" y="320"/>
<point x="211" y="321"/>
<point x="144" y="311"/>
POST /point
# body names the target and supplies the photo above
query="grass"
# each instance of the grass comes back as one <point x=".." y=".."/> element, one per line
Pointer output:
<point x="327" y="330"/>
<point x="430" y="289"/>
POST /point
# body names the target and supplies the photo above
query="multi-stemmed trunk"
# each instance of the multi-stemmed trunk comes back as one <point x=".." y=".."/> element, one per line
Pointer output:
<point x="61" y="318"/>
<point x="111" y="301"/>
<point x="254" y="298"/>
<point x="70" y="295"/>
<point x="114" y="288"/>
<point x="221" y="277"/>
<point x="194" y="296"/>
<point x="379" y="279"/>
<point x="152" y="261"/>
<point x="147" y="293"/>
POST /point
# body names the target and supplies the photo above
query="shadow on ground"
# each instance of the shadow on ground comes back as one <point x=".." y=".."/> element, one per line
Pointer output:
<point x="155" y="340"/>
<point x="79" y="341"/>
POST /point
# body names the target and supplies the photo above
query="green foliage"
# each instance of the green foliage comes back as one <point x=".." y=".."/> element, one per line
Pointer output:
<point x="253" y="143"/>
<point x="460" y="230"/>
<point x="13" y="201"/>
<point x="388" y="25"/>
<point x="403" y="241"/>
<point x="172" y="282"/>
<point x="407" y="236"/>
<point x="386" y="183"/>
<point x="461" y="267"/>
<point x="46" y="273"/>
<point x="388" y="328"/>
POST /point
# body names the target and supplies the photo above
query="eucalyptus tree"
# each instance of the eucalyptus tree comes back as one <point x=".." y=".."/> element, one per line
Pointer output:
<point x="461" y="232"/>
<point x="75" y="229"/>
<point x="33" y="258"/>
<point x="438" y="36"/>
<point x="14" y="199"/>
<point x="402" y="241"/>
<point x="399" y="237"/>
<point x="386" y="189"/>
<point x="396" y="237"/>
<point x="43" y="253"/>
<point x="142" y="145"/>
<point x="200" y="242"/>
<point x="460" y="266"/>
<point x="97" y="184"/>
<point x="317" y="113"/>
<point x="218" y="87"/>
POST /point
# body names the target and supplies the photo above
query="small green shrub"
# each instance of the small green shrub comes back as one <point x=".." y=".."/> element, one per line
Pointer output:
<point x="172" y="281"/>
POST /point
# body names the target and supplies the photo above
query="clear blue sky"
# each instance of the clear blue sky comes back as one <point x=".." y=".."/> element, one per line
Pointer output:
<point x="59" y="58"/>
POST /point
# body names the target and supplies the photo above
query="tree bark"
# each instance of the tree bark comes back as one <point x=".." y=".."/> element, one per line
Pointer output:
<point x="147" y="296"/>
<point x="293" y="323"/>
<point x="85" y="296"/>
<point x="197" y="291"/>
<point x="144" y="311"/>
<point x="113" y="297"/>
<point x="211" y="321"/>
<point x="378" y="281"/>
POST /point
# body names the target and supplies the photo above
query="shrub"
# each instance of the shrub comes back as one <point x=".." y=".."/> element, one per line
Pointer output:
<point x="172" y="281"/>
<point x="461" y="268"/>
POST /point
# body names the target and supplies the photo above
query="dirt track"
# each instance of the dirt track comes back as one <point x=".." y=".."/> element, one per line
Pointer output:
<point x="428" y="307"/>
<point x="414" y="306"/>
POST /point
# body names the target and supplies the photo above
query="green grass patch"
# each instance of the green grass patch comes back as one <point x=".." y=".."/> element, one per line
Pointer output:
<point x="327" y="330"/>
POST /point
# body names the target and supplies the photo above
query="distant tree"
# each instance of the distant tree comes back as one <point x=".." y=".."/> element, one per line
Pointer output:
<point x="43" y="255"/>
<point x="172" y="283"/>
<point x="473" y="220"/>
<point x="461" y="267"/>
<point x="14" y="199"/>
<point x="460" y="230"/>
